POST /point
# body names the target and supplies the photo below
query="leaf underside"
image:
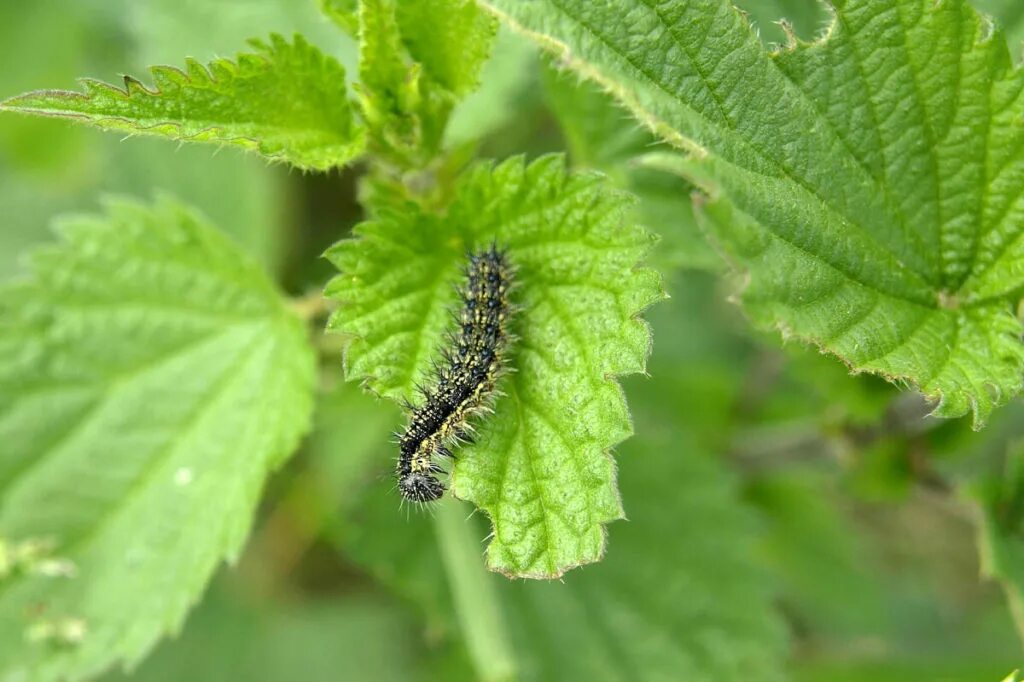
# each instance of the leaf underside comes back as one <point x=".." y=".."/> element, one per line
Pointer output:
<point x="540" y="465"/>
<point x="286" y="101"/>
<point x="869" y="183"/>
<point x="150" y="379"/>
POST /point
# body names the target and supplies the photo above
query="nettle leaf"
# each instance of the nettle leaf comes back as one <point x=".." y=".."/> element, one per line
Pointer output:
<point x="416" y="60"/>
<point x="869" y="183"/>
<point x="540" y="465"/>
<point x="600" y="134"/>
<point x="286" y="101"/>
<point x="450" y="38"/>
<point x="344" y="13"/>
<point x="150" y="379"/>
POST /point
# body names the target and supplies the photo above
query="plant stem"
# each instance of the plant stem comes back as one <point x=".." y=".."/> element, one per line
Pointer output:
<point x="476" y="604"/>
<point x="310" y="306"/>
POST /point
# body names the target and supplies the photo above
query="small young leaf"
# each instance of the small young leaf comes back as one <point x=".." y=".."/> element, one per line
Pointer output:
<point x="286" y="101"/>
<point x="344" y="13"/>
<point x="450" y="38"/>
<point x="416" y="61"/>
<point x="150" y="379"/>
<point x="869" y="182"/>
<point x="540" y="465"/>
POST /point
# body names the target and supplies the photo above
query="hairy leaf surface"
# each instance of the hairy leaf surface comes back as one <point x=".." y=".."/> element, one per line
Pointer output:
<point x="150" y="379"/>
<point x="286" y="101"/>
<point x="540" y="465"/>
<point x="869" y="183"/>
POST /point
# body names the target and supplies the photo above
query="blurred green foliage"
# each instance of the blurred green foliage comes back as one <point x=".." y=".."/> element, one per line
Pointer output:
<point x="848" y="556"/>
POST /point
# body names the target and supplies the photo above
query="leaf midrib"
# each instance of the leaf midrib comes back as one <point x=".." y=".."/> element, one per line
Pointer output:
<point x="147" y="124"/>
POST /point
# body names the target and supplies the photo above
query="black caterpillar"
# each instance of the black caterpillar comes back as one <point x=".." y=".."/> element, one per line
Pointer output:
<point x="463" y="383"/>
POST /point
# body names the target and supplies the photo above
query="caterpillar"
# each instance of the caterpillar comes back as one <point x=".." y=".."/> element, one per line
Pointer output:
<point x="463" y="383"/>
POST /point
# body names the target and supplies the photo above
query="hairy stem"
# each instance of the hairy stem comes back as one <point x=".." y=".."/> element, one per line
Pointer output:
<point x="476" y="604"/>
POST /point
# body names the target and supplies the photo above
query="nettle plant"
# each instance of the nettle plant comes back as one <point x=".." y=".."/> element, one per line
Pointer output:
<point x="867" y="185"/>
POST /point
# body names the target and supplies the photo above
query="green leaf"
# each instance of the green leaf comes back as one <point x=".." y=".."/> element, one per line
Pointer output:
<point x="150" y="379"/>
<point x="344" y="13"/>
<point x="416" y="61"/>
<point x="600" y="134"/>
<point x="540" y="466"/>
<point x="286" y="101"/>
<point x="868" y="183"/>
<point x="450" y="38"/>
<point x="384" y="78"/>
<point x="235" y="636"/>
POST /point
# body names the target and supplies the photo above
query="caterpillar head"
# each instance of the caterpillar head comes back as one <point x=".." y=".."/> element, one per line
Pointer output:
<point x="420" y="487"/>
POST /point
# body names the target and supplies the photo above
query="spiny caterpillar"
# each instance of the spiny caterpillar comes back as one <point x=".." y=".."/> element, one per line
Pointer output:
<point x="463" y="383"/>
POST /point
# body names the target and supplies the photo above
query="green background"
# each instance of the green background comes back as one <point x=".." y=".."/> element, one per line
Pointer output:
<point x="833" y="557"/>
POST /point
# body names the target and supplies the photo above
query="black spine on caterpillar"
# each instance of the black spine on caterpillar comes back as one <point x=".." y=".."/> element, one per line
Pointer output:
<point x="463" y="383"/>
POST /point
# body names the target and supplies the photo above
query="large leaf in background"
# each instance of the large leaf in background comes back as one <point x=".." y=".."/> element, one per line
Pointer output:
<point x="150" y="379"/>
<point x="868" y="183"/>
<point x="329" y="638"/>
<point x="286" y="101"/>
<point x="540" y="465"/>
